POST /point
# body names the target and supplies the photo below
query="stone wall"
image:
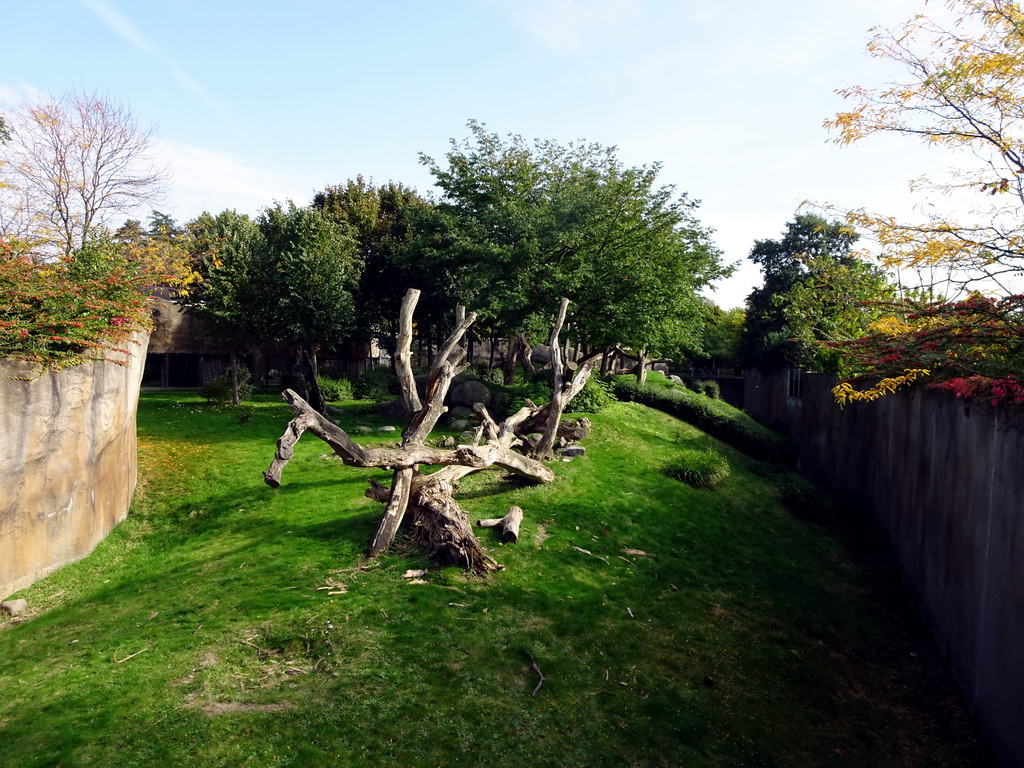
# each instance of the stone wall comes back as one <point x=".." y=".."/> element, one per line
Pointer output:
<point x="67" y="462"/>
<point x="946" y="481"/>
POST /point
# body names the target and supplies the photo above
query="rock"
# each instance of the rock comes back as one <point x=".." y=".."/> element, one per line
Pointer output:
<point x="460" y="412"/>
<point x="387" y="428"/>
<point x="572" y="451"/>
<point x="676" y="380"/>
<point x="470" y="392"/>
<point x="364" y="430"/>
<point x="467" y="437"/>
<point x="332" y="411"/>
<point x="460" y="424"/>
<point x="14" y="607"/>
<point x="395" y="409"/>
<point x="660" y="368"/>
<point x="448" y="442"/>
<point x="541" y="355"/>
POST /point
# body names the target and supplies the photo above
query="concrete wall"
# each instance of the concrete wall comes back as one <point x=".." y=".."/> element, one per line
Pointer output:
<point x="946" y="480"/>
<point x="67" y="462"/>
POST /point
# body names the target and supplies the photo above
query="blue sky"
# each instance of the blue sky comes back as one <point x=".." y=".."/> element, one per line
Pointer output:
<point x="257" y="101"/>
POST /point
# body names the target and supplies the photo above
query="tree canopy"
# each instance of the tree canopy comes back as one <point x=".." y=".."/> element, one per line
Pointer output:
<point x="814" y="289"/>
<point x="533" y="222"/>
<point x="963" y="91"/>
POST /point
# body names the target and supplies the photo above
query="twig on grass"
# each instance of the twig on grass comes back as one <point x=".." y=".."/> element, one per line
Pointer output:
<point x="539" y="673"/>
<point x="131" y="656"/>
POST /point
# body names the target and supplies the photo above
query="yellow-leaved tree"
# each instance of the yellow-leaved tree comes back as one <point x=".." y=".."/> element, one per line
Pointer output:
<point x="963" y="91"/>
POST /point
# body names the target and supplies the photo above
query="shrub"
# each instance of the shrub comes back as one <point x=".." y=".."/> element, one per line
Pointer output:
<point x="376" y="384"/>
<point x="710" y="388"/>
<point x="335" y="389"/>
<point x="538" y="393"/>
<point x="716" y="417"/>
<point x="218" y="389"/>
<point x="594" y="396"/>
<point x="701" y="469"/>
<point x="61" y="313"/>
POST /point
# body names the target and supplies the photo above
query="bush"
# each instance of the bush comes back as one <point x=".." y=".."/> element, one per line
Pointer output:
<point x="82" y="307"/>
<point x="538" y="393"/>
<point x="594" y="396"/>
<point x="710" y="388"/>
<point x="487" y="374"/>
<point x="716" y="417"/>
<point x="701" y="469"/>
<point x="218" y="389"/>
<point x="377" y="384"/>
<point x="335" y="389"/>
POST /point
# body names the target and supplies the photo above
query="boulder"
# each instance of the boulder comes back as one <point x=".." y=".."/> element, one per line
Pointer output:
<point x="572" y="451"/>
<point x="14" y="607"/>
<point x="470" y="392"/>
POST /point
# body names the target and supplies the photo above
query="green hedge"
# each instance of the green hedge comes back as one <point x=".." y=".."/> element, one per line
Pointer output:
<point x="716" y="417"/>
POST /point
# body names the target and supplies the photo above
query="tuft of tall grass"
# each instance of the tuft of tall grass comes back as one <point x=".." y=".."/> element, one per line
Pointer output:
<point x="701" y="469"/>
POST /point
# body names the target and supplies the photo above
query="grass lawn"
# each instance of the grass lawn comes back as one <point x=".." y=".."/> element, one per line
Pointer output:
<point x="200" y="632"/>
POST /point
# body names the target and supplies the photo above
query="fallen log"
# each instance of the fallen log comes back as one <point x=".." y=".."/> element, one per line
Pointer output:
<point x="508" y="526"/>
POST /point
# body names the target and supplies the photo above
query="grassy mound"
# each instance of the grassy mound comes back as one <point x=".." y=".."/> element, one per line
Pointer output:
<point x="225" y="623"/>
<point x="714" y="416"/>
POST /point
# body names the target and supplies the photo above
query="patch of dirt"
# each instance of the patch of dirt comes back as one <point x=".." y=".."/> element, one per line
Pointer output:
<point x="542" y="533"/>
<point x="214" y="708"/>
<point x="209" y="659"/>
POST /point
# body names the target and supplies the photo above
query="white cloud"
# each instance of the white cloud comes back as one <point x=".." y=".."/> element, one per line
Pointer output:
<point x="123" y="27"/>
<point x="565" y="25"/>
<point x="212" y="180"/>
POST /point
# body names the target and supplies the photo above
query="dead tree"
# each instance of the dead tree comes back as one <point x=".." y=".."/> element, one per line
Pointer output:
<point x="437" y="521"/>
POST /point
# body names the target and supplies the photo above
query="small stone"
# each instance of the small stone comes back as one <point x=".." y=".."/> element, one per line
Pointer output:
<point x="364" y="430"/>
<point x="386" y="428"/>
<point x="448" y="442"/>
<point x="14" y="607"/>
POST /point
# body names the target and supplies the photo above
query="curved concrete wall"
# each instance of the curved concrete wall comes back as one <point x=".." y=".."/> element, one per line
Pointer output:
<point x="67" y="462"/>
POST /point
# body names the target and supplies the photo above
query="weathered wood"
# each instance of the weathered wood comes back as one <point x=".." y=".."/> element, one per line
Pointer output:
<point x="403" y="352"/>
<point x="508" y="525"/>
<point x="442" y="527"/>
<point x="439" y="523"/>
<point x="401" y="487"/>
<point x="444" y="369"/>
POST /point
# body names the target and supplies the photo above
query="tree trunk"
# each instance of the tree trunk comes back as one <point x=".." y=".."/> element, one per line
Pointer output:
<point x="235" y="399"/>
<point x="526" y="352"/>
<point x="641" y="368"/>
<point x="509" y="366"/>
<point x="312" y="375"/>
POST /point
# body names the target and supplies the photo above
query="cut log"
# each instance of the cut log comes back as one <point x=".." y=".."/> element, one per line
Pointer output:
<point x="508" y="526"/>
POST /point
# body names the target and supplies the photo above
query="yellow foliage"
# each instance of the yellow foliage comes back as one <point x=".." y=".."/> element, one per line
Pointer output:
<point x="845" y="394"/>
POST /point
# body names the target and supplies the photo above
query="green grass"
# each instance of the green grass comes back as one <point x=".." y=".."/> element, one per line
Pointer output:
<point x="745" y="636"/>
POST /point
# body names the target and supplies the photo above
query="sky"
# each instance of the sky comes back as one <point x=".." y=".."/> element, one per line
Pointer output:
<point x="255" y="102"/>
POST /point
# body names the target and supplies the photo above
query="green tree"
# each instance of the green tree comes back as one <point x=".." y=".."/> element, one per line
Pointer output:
<point x="531" y="223"/>
<point x="229" y="295"/>
<point x="814" y="288"/>
<point x="720" y="339"/>
<point x="306" y="269"/>
<point x="388" y="224"/>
